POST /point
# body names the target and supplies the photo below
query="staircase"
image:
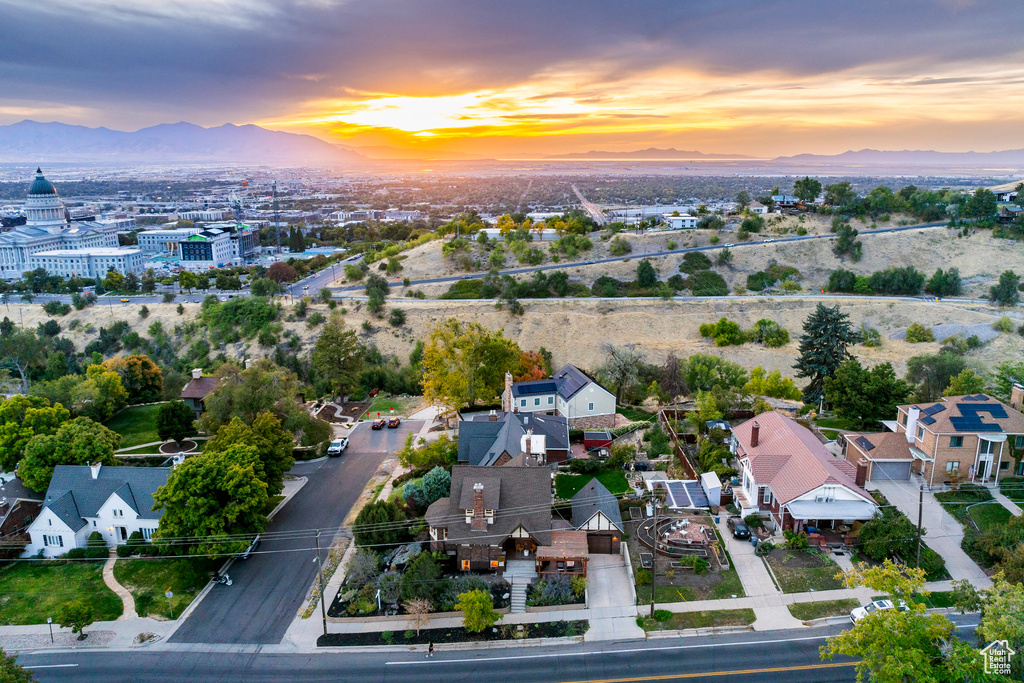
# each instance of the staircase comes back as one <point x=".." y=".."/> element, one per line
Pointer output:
<point x="520" y="573"/>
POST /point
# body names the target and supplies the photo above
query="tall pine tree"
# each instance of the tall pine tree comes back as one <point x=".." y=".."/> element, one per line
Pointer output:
<point x="827" y="333"/>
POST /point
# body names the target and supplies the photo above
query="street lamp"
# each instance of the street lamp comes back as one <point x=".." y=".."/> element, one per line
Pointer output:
<point x="49" y="622"/>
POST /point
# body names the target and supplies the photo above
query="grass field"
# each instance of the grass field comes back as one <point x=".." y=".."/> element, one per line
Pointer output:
<point x="136" y="425"/>
<point x="668" y="621"/>
<point x="404" y="406"/>
<point x="148" y="580"/>
<point x="635" y="414"/>
<point x="566" y="485"/>
<point x="32" y="591"/>
<point x="802" y="571"/>
<point x="990" y="515"/>
<point x="807" y="611"/>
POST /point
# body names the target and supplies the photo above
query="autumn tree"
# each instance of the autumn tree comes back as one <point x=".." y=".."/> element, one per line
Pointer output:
<point x="533" y="365"/>
<point x="76" y="442"/>
<point x="337" y="355"/>
<point x="140" y="377"/>
<point x="443" y="452"/>
<point x="477" y="609"/>
<point x="21" y="418"/>
<point x="281" y="272"/>
<point x="465" y="362"/>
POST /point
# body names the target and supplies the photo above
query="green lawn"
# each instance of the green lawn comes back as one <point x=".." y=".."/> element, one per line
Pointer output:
<point x="384" y="403"/>
<point x="136" y="425"/>
<point x="1013" y="488"/>
<point x="808" y="611"/>
<point x="148" y="580"/>
<point x="32" y="591"/>
<point x="566" y="485"/>
<point x="989" y="516"/>
<point x="667" y="621"/>
<point x="635" y="414"/>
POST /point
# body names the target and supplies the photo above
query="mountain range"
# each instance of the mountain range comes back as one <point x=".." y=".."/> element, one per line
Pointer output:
<point x="1013" y="157"/>
<point x="31" y="141"/>
<point x="648" y="154"/>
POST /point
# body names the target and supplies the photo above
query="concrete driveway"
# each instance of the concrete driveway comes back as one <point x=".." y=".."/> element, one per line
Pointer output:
<point x="611" y="610"/>
<point x="944" y="533"/>
<point x="268" y="589"/>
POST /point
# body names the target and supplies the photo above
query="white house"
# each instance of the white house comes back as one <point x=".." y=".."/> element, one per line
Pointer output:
<point x="758" y="208"/>
<point x="788" y="474"/>
<point x="569" y="393"/>
<point x="681" y="222"/>
<point x="115" y="501"/>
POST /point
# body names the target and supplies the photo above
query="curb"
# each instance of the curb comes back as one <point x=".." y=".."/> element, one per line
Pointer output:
<point x="456" y="647"/>
<point x="691" y="632"/>
<point x="284" y="502"/>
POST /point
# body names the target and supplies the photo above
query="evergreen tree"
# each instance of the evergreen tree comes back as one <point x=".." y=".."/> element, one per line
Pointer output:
<point x="827" y="334"/>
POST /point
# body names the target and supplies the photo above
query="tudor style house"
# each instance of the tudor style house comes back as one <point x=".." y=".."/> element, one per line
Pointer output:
<point x="194" y="393"/>
<point x="788" y="475"/>
<point x="569" y="393"/>
<point x="967" y="435"/>
<point x="596" y="511"/>
<point x="115" y="501"/>
<point x="513" y="438"/>
<point x="493" y="515"/>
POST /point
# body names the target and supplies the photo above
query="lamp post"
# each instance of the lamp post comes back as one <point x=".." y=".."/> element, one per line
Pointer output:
<point x="320" y="572"/>
<point x="49" y="622"/>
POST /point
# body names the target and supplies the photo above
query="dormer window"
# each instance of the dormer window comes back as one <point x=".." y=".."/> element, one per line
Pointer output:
<point x="489" y="515"/>
<point x="469" y="516"/>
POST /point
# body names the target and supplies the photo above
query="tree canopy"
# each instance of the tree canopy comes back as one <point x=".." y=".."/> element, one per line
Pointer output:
<point x="865" y="396"/>
<point x="175" y="420"/>
<point x="827" y="334"/>
<point x="76" y="442"/>
<point x="337" y="355"/>
<point x="272" y="442"/>
<point x="465" y="362"/>
<point x="21" y="418"/>
<point x="140" y="377"/>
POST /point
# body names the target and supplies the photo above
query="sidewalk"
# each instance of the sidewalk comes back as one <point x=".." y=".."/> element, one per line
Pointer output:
<point x="1007" y="503"/>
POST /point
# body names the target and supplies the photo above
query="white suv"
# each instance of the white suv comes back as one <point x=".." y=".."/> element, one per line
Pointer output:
<point x="337" y="447"/>
<point x="876" y="606"/>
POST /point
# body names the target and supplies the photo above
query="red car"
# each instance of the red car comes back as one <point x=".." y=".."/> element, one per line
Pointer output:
<point x="378" y="423"/>
<point x="394" y="422"/>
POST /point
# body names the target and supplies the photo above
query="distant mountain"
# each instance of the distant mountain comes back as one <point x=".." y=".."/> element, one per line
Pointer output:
<point x="31" y="141"/>
<point x="386" y="153"/>
<point x="1013" y="157"/>
<point x="650" y="153"/>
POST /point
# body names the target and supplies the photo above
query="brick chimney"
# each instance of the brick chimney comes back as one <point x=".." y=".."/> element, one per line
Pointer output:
<point x="754" y="432"/>
<point x="479" y="523"/>
<point x="862" y="472"/>
<point x="506" y="396"/>
<point x="493" y="417"/>
<point x="1017" y="396"/>
<point x="197" y="373"/>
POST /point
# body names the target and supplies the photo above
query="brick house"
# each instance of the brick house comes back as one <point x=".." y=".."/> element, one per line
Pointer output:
<point x="969" y="435"/>
<point x="492" y="515"/>
<point x="787" y="474"/>
<point x="569" y="393"/>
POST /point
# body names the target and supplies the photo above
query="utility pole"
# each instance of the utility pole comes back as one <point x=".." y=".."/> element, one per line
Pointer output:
<point x="654" y="559"/>
<point x="277" y="220"/>
<point x="920" y="515"/>
<point x="320" y="571"/>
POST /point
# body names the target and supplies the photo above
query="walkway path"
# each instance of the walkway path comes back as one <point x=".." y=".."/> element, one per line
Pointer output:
<point x="1007" y="503"/>
<point x="126" y="598"/>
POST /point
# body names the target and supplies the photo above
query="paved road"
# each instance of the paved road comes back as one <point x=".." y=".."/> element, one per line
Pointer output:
<point x="268" y="588"/>
<point x="748" y="656"/>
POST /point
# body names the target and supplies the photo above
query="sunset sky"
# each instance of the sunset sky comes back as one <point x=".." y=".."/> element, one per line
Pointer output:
<point x="525" y="78"/>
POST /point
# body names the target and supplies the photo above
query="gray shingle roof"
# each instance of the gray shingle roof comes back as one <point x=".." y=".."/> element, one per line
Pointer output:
<point x="481" y="441"/>
<point x="570" y="380"/>
<point x="199" y="388"/>
<point x="134" y="485"/>
<point x="66" y="509"/>
<point x="594" y="497"/>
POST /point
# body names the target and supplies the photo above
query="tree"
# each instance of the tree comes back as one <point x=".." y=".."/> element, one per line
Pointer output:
<point x="807" y="188"/>
<point x="440" y="453"/>
<point x="646" y="276"/>
<point x="213" y="502"/>
<point x="397" y="317"/>
<point x="933" y="373"/>
<point x="894" y="646"/>
<point x="21" y="418"/>
<point x="964" y="384"/>
<point x="477" y="609"/>
<point x="827" y="334"/>
<point x="772" y="384"/>
<point x="703" y="373"/>
<point x="671" y="380"/>
<point x="187" y="280"/>
<point x="463" y="362"/>
<point x="1006" y="293"/>
<point x="421" y="579"/>
<point x="264" y="286"/>
<point x="743" y="198"/>
<point x="380" y="523"/>
<point x="1002" y="615"/>
<point x="337" y="355"/>
<point x="533" y="365"/>
<point x="1004" y="376"/>
<point x="621" y="367"/>
<point x="176" y="421"/>
<point x="865" y="396"/>
<point x="76" y="616"/>
<point x="839" y="194"/>
<point x="131" y="282"/>
<point x="981" y="205"/>
<point x="436" y="485"/>
<point x="847" y="244"/>
<point x="76" y="442"/>
<point x="100" y="394"/>
<point x="140" y="377"/>
<point x="11" y="672"/>
<point x="114" y="280"/>
<point x="944" y="283"/>
<point x="281" y="272"/>
<point x="21" y="350"/>
<point x="418" y="610"/>
<point x="272" y="442"/>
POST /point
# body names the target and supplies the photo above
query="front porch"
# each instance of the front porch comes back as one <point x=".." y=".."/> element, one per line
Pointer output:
<point x="567" y="554"/>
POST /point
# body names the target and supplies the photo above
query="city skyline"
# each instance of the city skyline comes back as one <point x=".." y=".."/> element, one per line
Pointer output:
<point x="532" y="79"/>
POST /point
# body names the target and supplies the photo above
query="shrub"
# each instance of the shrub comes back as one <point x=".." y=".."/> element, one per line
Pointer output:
<point x="725" y="332"/>
<point x="1004" y="324"/>
<point x="906" y="281"/>
<point x="315" y="319"/>
<point x="619" y="246"/>
<point x="554" y="591"/>
<point x="795" y="541"/>
<point x="588" y="466"/>
<point x="579" y="585"/>
<point x="918" y="333"/>
<point x="707" y="283"/>
<point x="769" y="333"/>
<point x="753" y="521"/>
<point x="694" y="261"/>
<point x="397" y="317"/>
<point x="643" y="577"/>
<point x="57" y="308"/>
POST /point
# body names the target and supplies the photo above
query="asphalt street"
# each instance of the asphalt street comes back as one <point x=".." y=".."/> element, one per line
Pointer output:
<point x="744" y="656"/>
<point x="268" y="589"/>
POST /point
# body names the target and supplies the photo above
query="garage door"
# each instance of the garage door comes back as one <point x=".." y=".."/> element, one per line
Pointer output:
<point x="599" y="543"/>
<point x="890" y="471"/>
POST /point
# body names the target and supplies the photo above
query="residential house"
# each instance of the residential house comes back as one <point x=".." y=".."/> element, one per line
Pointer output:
<point x="115" y="501"/>
<point x="493" y="515"/>
<point x="887" y="454"/>
<point x="967" y="435"/>
<point x="681" y="222"/>
<point x="569" y="393"/>
<point x="194" y="393"/>
<point x="757" y="208"/>
<point x="525" y="438"/>
<point x="787" y="474"/>
<point x="596" y="511"/>
<point x="786" y="201"/>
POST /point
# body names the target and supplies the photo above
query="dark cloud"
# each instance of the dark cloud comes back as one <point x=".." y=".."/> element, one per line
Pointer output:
<point x="257" y="63"/>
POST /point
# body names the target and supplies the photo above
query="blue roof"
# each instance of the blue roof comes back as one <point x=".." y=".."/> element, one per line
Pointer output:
<point x="74" y="494"/>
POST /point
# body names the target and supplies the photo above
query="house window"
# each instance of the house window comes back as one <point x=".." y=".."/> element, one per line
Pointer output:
<point x="956" y="442"/>
<point x="767" y="496"/>
<point x="1019" y="442"/>
<point x="147" y="533"/>
<point x="94" y="522"/>
<point x="57" y="541"/>
<point x="522" y="403"/>
<point x="920" y="432"/>
<point x="590" y="407"/>
<point x="903" y="419"/>
<point x="536" y="401"/>
<point x="551" y="400"/>
<point x="494" y="564"/>
<point x="465" y="565"/>
<point x="1004" y="465"/>
<point x="953" y="466"/>
<point x="986" y="447"/>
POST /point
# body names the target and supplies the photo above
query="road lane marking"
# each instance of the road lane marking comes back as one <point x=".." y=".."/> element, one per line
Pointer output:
<point x="48" y="666"/>
<point x="737" y="672"/>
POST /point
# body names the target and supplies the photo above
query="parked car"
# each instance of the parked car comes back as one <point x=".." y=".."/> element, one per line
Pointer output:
<point x="337" y="447"/>
<point x="730" y="245"/>
<point x="394" y="422"/>
<point x="378" y="423"/>
<point x="877" y="606"/>
<point x="738" y="528"/>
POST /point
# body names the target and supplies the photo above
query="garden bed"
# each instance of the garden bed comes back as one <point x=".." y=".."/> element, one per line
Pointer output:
<point x="800" y="571"/>
<point x="551" y="629"/>
<point x="676" y="621"/>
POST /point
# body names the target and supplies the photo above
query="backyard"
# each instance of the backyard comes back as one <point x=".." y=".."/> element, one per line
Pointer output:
<point x="567" y="485"/>
<point x="800" y="571"/>
<point x="830" y="426"/>
<point x="675" y="621"/>
<point x="148" y="580"/>
<point x="136" y="425"/>
<point x="32" y="591"/>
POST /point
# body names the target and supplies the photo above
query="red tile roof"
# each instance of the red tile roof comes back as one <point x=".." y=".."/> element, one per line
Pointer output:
<point x="790" y="459"/>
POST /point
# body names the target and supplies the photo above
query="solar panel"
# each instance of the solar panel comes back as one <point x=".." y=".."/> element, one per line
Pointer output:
<point x="973" y="424"/>
<point x="937" y="408"/>
<point x="864" y="443"/>
<point x="697" y="497"/>
<point x="678" y="492"/>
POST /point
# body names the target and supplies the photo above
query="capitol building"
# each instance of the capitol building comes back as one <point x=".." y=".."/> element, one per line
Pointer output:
<point x="51" y="240"/>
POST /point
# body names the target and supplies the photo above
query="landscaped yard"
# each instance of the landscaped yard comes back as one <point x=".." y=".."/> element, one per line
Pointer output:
<point x="136" y="425"/>
<point x="990" y="515"/>
<point x="808" y="611"/>
<point x="148" y="580"/>
<point x="669" y="621"/>
<point x="830" y="426"/>
<point x="635" y="414"/>
<point x="799" y="571"/>
<point x="32" y="591"/>
<point x="566" y="485"/>
<point x="1013" y="488"/>
<point x="403" y="405"/>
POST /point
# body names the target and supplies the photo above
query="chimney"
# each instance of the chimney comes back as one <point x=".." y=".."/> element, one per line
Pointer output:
<point x="95" y="469"/>
<point x="913" y="412"/>
<point x="493" y="417"/>
<point x="479" y="523"/>
<point x="862" y="472"/>
<point x="506" y="396"/>
<point x="197" y="373"/>
<point x="529" y="443"/>
<point x="754" y="432"/>
<point x="1017" y="397"/>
